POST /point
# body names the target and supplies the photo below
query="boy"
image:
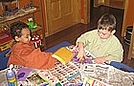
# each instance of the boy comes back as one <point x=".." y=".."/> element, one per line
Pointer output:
<point x="102" y="42"/>
<point x="23" y="51"/>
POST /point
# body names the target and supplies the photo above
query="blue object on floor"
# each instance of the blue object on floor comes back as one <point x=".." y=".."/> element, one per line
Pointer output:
<point x="56" y="47"/>
<point x="119" y="65"/>
<point x="3" y="59"/>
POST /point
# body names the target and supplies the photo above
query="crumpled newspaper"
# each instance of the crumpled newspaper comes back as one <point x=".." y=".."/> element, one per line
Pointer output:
<point x="107" y="74"/>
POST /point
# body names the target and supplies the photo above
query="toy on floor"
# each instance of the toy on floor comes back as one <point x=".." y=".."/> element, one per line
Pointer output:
<point x="36" y="39"/>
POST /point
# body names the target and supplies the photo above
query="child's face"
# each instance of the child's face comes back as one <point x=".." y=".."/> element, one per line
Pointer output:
<point x="104" y="33"/>
<point x="25" y="37"/>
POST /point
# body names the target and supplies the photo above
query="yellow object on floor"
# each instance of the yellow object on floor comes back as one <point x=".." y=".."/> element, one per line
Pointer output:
<point x="63" y="55"/>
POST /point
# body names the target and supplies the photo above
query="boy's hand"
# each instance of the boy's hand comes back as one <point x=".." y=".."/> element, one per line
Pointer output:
<point x="100" y="60"/>
<point x="81" y="56"/>
<point x="82" y="59"/>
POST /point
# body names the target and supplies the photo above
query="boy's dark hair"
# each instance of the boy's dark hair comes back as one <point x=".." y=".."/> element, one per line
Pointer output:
<point x="16" y="28"/>
<point x="107" y="21"/>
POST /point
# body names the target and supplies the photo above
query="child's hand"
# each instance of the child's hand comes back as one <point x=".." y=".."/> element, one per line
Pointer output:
<point x="81" y="56"/>
<point x="100" y="60"/>
<point x="82" y="59"/>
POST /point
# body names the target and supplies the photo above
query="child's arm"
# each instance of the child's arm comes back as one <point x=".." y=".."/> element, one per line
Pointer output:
<point x="81" y="53"/>
<point x="101" y="60"/>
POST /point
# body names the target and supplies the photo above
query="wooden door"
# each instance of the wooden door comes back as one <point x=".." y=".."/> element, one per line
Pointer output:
<point x="61" y="14"/>
<point x="128" y="16"/>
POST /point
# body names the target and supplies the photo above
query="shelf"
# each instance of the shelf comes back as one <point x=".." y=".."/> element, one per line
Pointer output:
<point x="37" y="29"/>
<point x="119" y="4"/>
<point x="28" y="9"/>
<point x="5" y="45"/>
<point x="19" y="15"/>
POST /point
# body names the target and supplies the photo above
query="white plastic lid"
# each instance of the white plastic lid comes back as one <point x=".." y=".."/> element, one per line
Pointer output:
<point x="10" y="66"/>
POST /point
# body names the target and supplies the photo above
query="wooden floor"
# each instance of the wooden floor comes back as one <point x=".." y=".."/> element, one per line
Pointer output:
<point x="70" y="34"/>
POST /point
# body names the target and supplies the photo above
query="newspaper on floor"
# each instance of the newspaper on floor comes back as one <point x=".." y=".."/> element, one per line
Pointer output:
<point x="107" y="74"/>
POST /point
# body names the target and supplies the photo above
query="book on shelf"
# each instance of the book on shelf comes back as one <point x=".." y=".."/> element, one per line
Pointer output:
<point x="63" y="55"/>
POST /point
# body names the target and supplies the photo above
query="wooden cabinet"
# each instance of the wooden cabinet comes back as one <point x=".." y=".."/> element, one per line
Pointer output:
<point x="111" y="3"/>
<point x="117" y="3"/>
<point x="61" y="14"/>
<point x="21" y="10"/>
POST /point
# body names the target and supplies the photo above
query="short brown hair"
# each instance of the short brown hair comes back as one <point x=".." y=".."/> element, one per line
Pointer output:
<point x="107" y="21"/>
<point x="16" y="28"/>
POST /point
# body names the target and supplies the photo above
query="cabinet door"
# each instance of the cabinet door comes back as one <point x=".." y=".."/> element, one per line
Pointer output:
<point x="61" y="14"/>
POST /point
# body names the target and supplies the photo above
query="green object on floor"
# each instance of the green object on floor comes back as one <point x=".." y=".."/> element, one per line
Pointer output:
<point x="58" y="84"/>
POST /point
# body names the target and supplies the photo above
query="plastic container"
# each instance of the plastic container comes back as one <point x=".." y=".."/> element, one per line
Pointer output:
<point x="11" y="78"/>
<point x="128" y="34"/>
